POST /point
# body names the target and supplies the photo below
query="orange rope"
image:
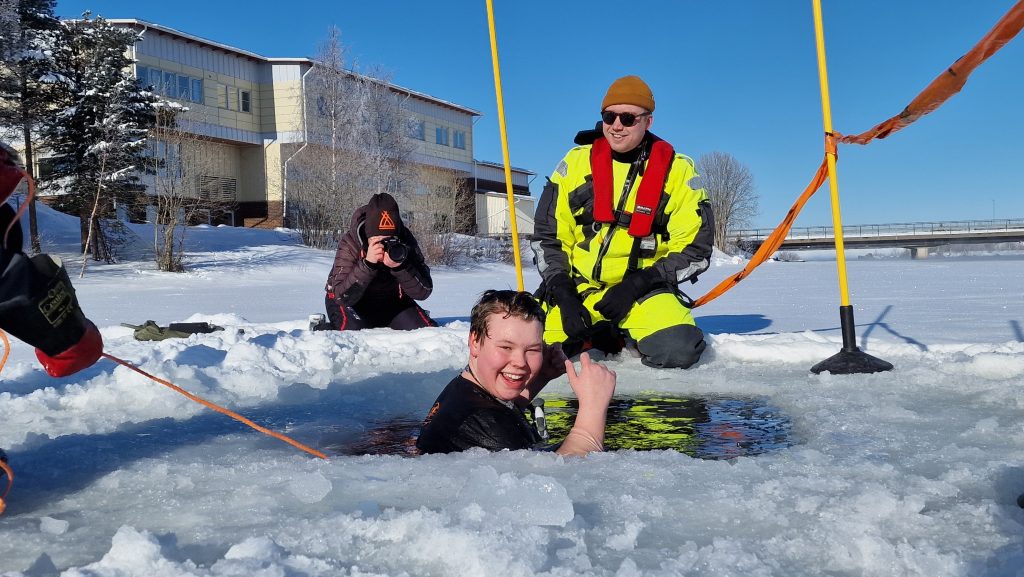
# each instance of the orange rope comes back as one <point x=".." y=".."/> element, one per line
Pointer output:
<point x="205" y="403"/>
<point x="219" y="409"/>
<point x="7" y="349"/>
<point x="24" y="205"/>
<point x="10" y="483"/>
<point x="774" y="240"/>
<point x="10" y="474"/>
<point x="951" y="80"/>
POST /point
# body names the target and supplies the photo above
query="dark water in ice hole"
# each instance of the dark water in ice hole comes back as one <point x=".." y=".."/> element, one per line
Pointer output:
<point x="705" y="428"/>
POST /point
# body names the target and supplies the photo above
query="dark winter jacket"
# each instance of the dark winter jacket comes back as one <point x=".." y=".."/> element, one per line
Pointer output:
<point x="465" y="416"/>
<point x="368" y="287"/>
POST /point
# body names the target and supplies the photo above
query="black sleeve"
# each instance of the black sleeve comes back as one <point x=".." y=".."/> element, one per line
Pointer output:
<point x="414" y="274"/>
<point x="350" y="273"/>
<point x="551" y="260"/>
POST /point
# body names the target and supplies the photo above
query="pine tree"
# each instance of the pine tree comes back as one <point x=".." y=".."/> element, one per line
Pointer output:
<point x="27" y="31"/>
<point x="98" y="139"/>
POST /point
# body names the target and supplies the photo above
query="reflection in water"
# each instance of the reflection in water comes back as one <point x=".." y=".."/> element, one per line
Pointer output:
<point x="395" y="437"/>
<point x="711" y="428"/>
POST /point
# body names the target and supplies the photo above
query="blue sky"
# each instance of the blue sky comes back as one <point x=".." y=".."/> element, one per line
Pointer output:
<point x="738" y="77"/>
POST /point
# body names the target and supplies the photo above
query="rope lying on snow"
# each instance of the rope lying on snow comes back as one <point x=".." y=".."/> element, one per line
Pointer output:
<point x="218" y="408"/>
<point x="6" y="469"/>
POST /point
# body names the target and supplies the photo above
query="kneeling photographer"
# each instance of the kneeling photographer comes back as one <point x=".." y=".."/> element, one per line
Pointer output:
<point x="378" y="273"/>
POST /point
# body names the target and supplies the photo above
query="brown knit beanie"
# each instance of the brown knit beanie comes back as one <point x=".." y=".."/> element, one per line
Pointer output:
<point x="629" y="90"/>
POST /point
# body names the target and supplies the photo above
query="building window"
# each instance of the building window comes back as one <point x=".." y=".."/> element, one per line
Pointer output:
<point x="417" y="130"/>
<point x="442" y="135"/>
<point x="460" y="140"/>
<point x="170" y="87"/>
<point x="166" y="157"/>
<point x="170" y="84"/>
<point x="245" y="101"/>
<point x="184" y="88"/>
<point x="222" y="96"/>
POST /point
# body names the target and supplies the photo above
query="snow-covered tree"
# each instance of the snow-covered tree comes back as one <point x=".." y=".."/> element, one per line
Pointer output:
<point x="28" y="29"/>
<point x="98" y="138"/>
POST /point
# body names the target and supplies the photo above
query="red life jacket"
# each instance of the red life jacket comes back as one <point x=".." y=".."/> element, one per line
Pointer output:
<point x="651" y="187"/>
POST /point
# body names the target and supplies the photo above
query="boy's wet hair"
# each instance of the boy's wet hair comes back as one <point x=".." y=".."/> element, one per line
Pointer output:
<point x="508" y="303"/>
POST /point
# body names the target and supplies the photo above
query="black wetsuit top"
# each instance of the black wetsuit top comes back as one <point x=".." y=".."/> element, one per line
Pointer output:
<point x="464" y="416"/>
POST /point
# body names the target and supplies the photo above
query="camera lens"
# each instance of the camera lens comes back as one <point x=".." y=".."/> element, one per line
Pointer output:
<point x="397" y="251"/>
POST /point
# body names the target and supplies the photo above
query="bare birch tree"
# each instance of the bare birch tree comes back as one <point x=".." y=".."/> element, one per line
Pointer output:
<point x="384" y="142"/>
<point x="443" y="208"/>
<point x="182" y="170"/>
<point x="357" y="144"/>
<point x="730" y="187"/>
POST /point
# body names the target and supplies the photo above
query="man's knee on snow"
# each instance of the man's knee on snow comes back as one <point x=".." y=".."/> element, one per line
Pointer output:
<point x="675" y="347"/>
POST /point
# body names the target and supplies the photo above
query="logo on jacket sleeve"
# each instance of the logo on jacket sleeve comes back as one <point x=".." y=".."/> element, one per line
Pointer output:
<point x="430" y="415"/>
<point x="562" y="169"/>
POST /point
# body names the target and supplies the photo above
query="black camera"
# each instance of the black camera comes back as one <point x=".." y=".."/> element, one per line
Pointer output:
<point x="396" y="249"/>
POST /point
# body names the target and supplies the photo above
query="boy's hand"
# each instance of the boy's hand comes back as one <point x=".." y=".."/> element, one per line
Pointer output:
<point x="594" y="385"/>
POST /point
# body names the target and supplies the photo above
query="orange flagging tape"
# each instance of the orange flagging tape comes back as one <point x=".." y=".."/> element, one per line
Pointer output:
<point x="950" y="81"/>
<point x="24" y="205"/>
<point x="10" y="483"/>
<point x="7" y="349"/>
<point x="773" y="242"/>
<point x="219" y="409"/>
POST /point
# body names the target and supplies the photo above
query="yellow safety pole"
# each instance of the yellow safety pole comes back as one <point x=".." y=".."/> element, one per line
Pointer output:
<point x="830" y="155"/>
<point x="850" y="359"/>
<point x="504" y="147"/>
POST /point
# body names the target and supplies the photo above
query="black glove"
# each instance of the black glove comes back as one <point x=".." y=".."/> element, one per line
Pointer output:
<point x="617" y="300"/>
<point x="38" y="306"/>
<point x="575" y="316"/>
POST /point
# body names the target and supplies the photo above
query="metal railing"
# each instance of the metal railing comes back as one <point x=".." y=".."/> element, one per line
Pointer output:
<point x="893" y="229"/>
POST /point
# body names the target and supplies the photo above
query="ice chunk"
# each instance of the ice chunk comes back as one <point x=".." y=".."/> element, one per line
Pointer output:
<point x="527" y="500"/>
<point x="53" y="526"/>
<point x="310" y="488"/>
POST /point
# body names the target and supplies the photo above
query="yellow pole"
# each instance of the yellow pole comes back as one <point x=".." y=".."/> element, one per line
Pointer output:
<point x="830" y="155"/>
<point x="504" y="147"/>
<point x="850" y="359"/>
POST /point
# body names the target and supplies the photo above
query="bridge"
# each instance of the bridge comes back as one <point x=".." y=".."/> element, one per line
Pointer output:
<point x="916" y="236"/>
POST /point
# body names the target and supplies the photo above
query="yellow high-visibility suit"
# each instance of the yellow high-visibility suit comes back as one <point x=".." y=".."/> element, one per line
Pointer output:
<point x="595" y="256"/>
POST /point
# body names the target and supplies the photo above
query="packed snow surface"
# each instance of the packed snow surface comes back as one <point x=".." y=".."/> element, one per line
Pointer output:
<point x="910" y="472"/>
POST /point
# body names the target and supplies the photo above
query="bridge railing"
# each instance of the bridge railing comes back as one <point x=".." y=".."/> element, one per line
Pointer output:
<point x="891" y="229"/>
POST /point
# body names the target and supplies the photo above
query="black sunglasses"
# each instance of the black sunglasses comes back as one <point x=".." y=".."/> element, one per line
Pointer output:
<point x="626" y="118"/>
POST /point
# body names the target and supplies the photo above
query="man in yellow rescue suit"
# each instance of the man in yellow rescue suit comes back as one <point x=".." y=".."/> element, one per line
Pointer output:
<point x="621" y="223"/>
